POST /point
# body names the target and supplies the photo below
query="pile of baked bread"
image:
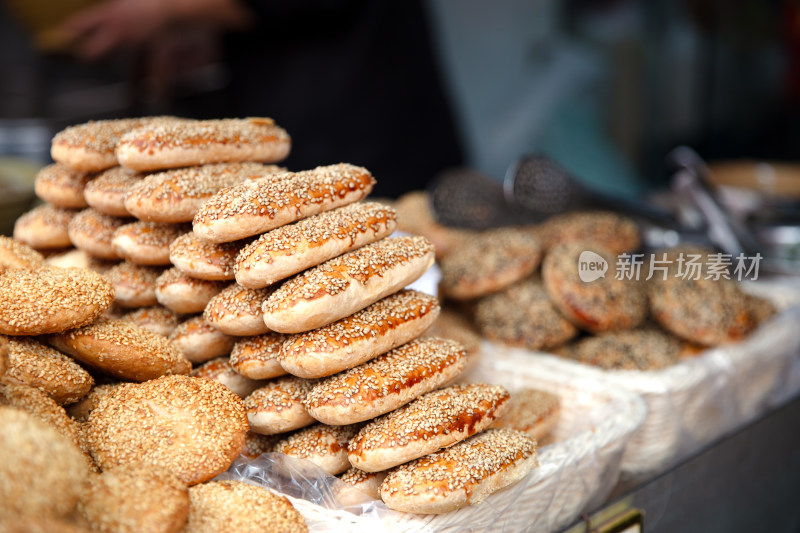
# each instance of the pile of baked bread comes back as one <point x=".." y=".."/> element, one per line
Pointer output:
<point x="224" y="306"/>
<point x="522" y="286"/>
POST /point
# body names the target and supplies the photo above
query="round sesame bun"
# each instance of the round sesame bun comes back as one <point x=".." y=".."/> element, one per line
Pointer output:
<point x="222" y="506"/>
<point x="357" y="338"/>
<point x="359" y="487"/>
<point x="290" y="249"/>
<point x="523" y="315"/>
<point x="132" y="498"/>
<point x="612" y="231"/>
<point x="74" y="258"/>
<point x="157" y="319"/>
<point x="204" y="260"/>
<point x="255" y="444"/>
<point x="15" y="254"/>
<point x="199" y="142"/>
<point x="347" y="284"/>
<point x="42" y="407"/>
<point x="325" y="446"/>
<point x="147" y="243"/>
<point x="605" y="304"/>
<point x="194" y="427"/>
<point x="134" y="285"/>
<point x="236" y="310"/>
<point x="61" y="186"/>
<point x="45" y="227"/>
<point x="488" y="262"/>
<point x="176" y="195"/>
<point x="277" y="407"/>
<point x="533" y="411"/>
<point x="257" y="206"/>
<point x="81" y="409"/>
<point x="387" y="382"/>
<point x="122" y="349"/>
<point x="464" y="474"/>
<point x="257" y="357"/>
<point x="220" y="370"/>
<point x="35" y="364"/>
<point x="50" y="300"/>
<point x="199" y="341"/>
<point x="93" y="231"/>
<point x="645" y="348"/>
<point x="433" y="421"/>
<point x="43" y="472"/>
<point x="184" y="294"/>
<point x="106" y="192"/>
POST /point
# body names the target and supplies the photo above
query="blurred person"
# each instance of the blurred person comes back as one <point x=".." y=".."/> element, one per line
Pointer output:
<point x="350" y="80"/>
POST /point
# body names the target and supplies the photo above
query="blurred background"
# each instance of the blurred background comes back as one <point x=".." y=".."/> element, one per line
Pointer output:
<point x="605" y="87"/>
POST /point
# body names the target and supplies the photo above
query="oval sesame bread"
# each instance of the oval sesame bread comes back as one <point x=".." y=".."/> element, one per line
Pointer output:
<point x="89" y="147"/>
<point x="134" y="285"/>
<point x="325" y="446"/>
<point x="205" y="260"/>
<point x="93" y="232"/>
<point x="435" y="420"/>
<point x="198" y="142"/>
<point x="355" y="339"/>
<point x="106" y="192"/>
<point x="122" y="349"/>
<point x="185" y="294"/>
<point x="147" y="243"/>
<point x="523" y="315"/>
<point x="464" y="474"/>
<point x="194" y="427"/>
<point x="35" y="364"/>
<point x="156" y="318"/>
<point x="605" y="304"/>
<point x="359" y="487"/>
<point x="176" y="195"/>
<point x="612" y="231"/>
<point x="533" y="411"/>
<point x="199" y="341"/>
<point x="16" y="254"/>
<point x="45" y="227"/>
<point x="220" y="370"/>
<point x="42" y="471"/>
<point x="257" y="357"/>
<point x="488" y="262"/>
<point x="256" y="206"/>
<point x="133" y="498"/>
<point x="236" y="310"/>
<point x="61" y="186"/>
<point x="387" y="382"/>
<point x="293" y="248"/>
<point x="51" y="299"/>
<point x="277" y="407"/>
<point x="221" y="506"/>
<point x="346" y="284"/>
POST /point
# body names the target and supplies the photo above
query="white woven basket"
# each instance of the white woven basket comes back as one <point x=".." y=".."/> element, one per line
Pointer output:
<point x="696" y="400"/>
<point x="575" y="472"/>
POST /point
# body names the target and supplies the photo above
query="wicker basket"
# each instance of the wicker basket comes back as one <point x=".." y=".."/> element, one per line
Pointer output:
<point x="576" y="472"/>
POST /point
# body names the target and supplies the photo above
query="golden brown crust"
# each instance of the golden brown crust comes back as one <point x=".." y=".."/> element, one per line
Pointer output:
<point x="255" y="444"/>
<point x="488" y="262"/>
<point x="359" y="337"/>
<point x="93" y="232"/>
<point x="157" y="319"/>
<point x="194" y="427"/>
<point x="37" y="365"/>
<point x="456" y="325"/>
<point x="122" y="349"/>
<point x="45" y="227"/>
<point x="80" y="410"/>
<point x="51" y="299"/>
<point x="277" y="407"/>
<point x="415" y="216"/>
<point x="533" y="411"/>
<point x="61" y="186"/>
<point x="347" y="284"/>
<point x="612" y="231"/>
<point x="236" y="310"/>
<point x="644" y="348"/>
<point x="257" y="357"/>
<point x="387" y="382"/>
<point x="176" y="195"/>
<point x="221" y="506"/>
<point x="184" y="294"/>
<point x="16" y="254"/>
<point x="133" y="498"/>
<point x="221" y="371"/>
<point x="199" y="341"/>
<point x="134" y="285"/>
<point x="106" y="192"/>
<point x="292" y="248"/>
<point x="41" y="406"/>
<point x="147" y="243"/>
<point x="257" y="206"/>
<point x="204" y="260"/>
<point x="325" y="446"/>
<point x="198" y="142"/>
<point x="433" y="421"/>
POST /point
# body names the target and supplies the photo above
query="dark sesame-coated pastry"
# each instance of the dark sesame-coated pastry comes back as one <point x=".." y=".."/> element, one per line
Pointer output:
<point x="612" y="231"/>
<point x="636" y="349"/>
